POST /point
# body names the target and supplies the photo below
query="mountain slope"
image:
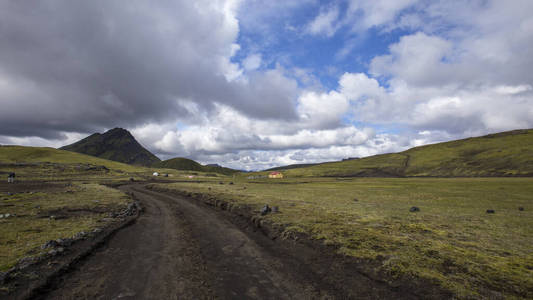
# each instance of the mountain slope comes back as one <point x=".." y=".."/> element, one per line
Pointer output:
<point x="116" y="144"/>
<point x="23" y="155"/>
<point x="502" y="154"/>
<point x="180" y="163"/>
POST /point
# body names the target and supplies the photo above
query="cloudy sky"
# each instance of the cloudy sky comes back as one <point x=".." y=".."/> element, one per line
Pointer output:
<point x="253" y="84"/>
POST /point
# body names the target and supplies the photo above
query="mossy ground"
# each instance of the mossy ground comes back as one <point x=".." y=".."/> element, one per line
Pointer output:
<point x="59" y="212"/>
<point x="451" y="240"/>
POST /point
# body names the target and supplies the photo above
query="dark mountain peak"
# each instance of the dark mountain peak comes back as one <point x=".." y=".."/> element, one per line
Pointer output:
<point x="116" y="144"/>
<point x="118" y="132"/>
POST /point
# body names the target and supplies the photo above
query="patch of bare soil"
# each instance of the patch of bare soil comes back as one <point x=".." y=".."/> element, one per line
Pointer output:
<point x="30" y="186"/>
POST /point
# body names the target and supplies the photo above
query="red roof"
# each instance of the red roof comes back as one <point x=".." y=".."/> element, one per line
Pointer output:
<point x="275" y="173"/>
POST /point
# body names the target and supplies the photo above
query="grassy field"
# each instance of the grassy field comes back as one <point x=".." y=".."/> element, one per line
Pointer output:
<point x="451" y="240"/>
<point x="53" y="211"/>
<point x="503" y="154"/>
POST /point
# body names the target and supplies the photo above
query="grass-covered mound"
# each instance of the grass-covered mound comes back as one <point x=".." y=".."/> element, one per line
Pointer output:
<point x="502" y="154"/>
<point x="185" y="164"/>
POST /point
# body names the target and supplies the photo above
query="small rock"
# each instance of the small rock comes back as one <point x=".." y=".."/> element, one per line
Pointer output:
<point x="221" y="182"/>
<point x="52" y="217"/>
<point x="521" y="208"/>
<point x="355" y="200"/>
<point x="265" y="210"/>
<point x="60" y="250"/>
<point x="7" y="215"/>
<point x="275" y="209"/>
<point x="52" y="252"/>
<point x="3" y="277"/>
<point x="231" y="182"/>
<point x="490" y="211"/>
<point x="414" y="209"/>
<point x="64" y="242"/>
<point x="49" y="244"/>
<point x="25" y="262"/>
<point x="79" y="235"/>
<point x="132" y="179"/>
<point x="9" y="194"/>
<point x="37" y="206"/>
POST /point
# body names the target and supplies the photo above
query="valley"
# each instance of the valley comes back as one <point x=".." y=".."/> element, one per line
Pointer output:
<point x="75" y="225"/>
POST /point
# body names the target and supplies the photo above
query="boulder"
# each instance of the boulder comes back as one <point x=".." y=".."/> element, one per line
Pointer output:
<point x="521" y="208"/>
<point x="490" y="211"/>
<point x="414" y="209"/>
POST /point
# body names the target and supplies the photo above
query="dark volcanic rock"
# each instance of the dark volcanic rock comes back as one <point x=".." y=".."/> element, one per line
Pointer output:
<point x="265" y="210"/>
<point x="414" y="209"/>
<point x="490" y="211"/>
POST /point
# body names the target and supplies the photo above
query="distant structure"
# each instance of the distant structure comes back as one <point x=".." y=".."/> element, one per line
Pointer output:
<point x="275" y="175"/>
<point x="155" y="174"/>
<point x="11" y="178"/>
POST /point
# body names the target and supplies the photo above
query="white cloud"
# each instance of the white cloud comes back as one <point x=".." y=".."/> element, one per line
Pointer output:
<point x="376" y="12"/>
<point x="326" y="23"/>
<point x="252" y="62"/>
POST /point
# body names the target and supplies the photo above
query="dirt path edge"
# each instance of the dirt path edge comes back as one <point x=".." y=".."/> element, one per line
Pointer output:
<point x="30" y="281"/>
<point x="331" y="267"/>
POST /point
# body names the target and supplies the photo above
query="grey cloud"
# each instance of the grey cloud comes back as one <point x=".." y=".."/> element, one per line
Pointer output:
<point x="86" y="65"/>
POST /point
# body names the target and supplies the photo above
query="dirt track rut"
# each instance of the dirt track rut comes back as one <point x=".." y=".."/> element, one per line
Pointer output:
<point x="180" y="250"/>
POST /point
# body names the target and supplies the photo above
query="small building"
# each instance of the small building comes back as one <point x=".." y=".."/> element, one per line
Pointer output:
<point x="275" y="175"/>
<point x="11" y="178"/>
<point x="155" y="174"/>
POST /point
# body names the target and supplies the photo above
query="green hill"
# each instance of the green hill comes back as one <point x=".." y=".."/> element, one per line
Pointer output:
<point x="502" y="154"/>
<point x="116" y="144"/>
<point x="26" y="155"/>
<point x="180" y="163"/>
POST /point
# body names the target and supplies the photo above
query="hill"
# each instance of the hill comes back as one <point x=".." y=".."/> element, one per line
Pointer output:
<point x="501" y="154"/>
<point x="21" y="155"/>
<point x="116" y="144"/>
<point x="180" y="163"/>
<point x="288" y="167"/>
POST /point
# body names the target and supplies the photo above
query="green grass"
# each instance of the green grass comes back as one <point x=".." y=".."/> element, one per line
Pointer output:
<point x="503" y="154"/>
<point x="451" y="241"/>
<point x="21" y="154"/>
<point x="180" y="163"/>
<point x="23" y="234"/>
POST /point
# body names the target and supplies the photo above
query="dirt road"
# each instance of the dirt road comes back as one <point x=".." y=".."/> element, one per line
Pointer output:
<point x="180" y="250"/>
